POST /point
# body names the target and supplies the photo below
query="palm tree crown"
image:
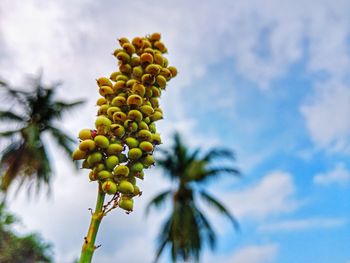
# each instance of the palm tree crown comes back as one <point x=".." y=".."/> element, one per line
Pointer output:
<point x="32" y="113"/>
<point x="187" y="228"/>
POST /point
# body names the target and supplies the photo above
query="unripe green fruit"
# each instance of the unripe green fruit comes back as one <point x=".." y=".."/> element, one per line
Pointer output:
<point x="140" y="175"/>
<point x="161" y="81"/>
<point x="135" y="115"/>
<point x="118" y="101"/>
<point x="160" y="46"/>
<point x="155" y="37"/>
<point x="146" y="146"/>
<point x="147" y="120"/>
<point x="143" y="125"/>
<point x="149" y="50"/>
<point x="101" y="141"/>
<point x="165" y="73"/>
<point x="123" y="57"/>
<point x="134" y="154"/>
<point x="154" y="102"/>
<point x="111" y="111"/>
<point x="102" y="121"/>
<point x="118" y="130"/>
<point x="144" y="135"/>
<point x="134" y="100"/>
<point x="125" y="68"/>
<point x="158" y="59"/>
<point x="148" y="79"/>
<point x="109" y="187"/>
<point x="156" y="138"/>
<point x="126" y="204"/>
<point x="123" y="40"/>
<point x="136" y="167"/>
<point x="139" y="89"/>
<point x="103" y="175"/>
<point x="114" y="75"/>
<point x="99" y="167"/>
<point x="165" y="62"/>
<point x="137" y="72"/>
<point x="131" y="83"/>
<point x="132" y="179"/>
<point x="119" y="116"/>
<point x="146" y="58"/>
<point x="122" y="77"/>
<point x="156" y="92"/>
<point x="130" y="125"/>
<point x="125" y="187"/>
<point x="103" y="110"/>
<point x="153" y="69"/>
<point x="85" y="134"/>
<point x="136" y="190"/>
<point x="85" y="165"/>
<point x="152" y="127"/>
<point x="173" y="71"/>
<point x="92" y="176"/>
<point x="78" y="155"/>
<point x="131" y="142"/>
<point x="122" y="158"/>
<point x="94" y="158"/>
<point x="146" y="110"/>
<point x="87" y="145"/>
<point x="119" y="85"/>
<point x="105" y="90"/>
<point x="135" y="61"/>
<point x="149" y="92"/>
<point x="121" y="170"/>
<point x="146" y="43"/>
<point x="104" y="82"/>
<point x="111" y="162"/>
<point x="114" y="148"/>
<point x="157" y="115"/>
<point x="148" y="160"/>
<point x="101" y="101"/>
<point x="137" y="42"/>
<point x="129" y="48"/>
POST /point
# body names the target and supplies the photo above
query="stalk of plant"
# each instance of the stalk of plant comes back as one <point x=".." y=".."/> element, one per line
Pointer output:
<point x="121" y="146"/>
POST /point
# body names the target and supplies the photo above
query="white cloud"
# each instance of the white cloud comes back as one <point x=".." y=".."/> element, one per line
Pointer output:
<point x="327" y="118"/>
<point x="273" y="194"/>
<point x="255" y="254"/>
<point x="302" y="224"/>
<point x="339" y="175"/>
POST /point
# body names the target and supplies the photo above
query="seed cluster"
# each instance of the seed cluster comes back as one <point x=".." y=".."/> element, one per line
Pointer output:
<point x="122" y="145"/>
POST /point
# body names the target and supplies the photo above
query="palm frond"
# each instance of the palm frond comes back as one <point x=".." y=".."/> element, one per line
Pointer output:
<point x="219" y="153"/>
<point x="212" y="201"/>
<point x="63" y="140"/>
<point x="9" y="133"/>
<point x="214" y="172"/>
<point x="158" y="200"/>
<point x="207" y="228"/>
<point x="11" y="116"/>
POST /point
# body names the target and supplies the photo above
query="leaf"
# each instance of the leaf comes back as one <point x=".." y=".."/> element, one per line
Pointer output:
<point x="214" y="172"/>
<point x="158" y="200"/>
<point x="11" y="116"/>
<point x="212" y="201"/>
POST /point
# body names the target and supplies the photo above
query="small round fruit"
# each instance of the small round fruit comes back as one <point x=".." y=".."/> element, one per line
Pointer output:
<point x="85" y="134"/>
<point x="137" y="72"/>
<point x="104" y="82"/>
<point x="156" y="116"/>
<point x="106" y="90"/>
<point x="152" y="127"/>
<point x="87" y="145"/>
<point x="137" y="42"/>
<point x="158" y="59"/>
<point x="173" y="71"/>
<point x="114" y="75"/>
<point x="135" y="115"/>
<point x="125" y="187"/>
<point x="134" y="153"/>
<point x="155" y="37"/>
<point x="137" y="190"/>
<point x="101" y="141"/>
<point x="122" y="157"/>
<point x="92" y="176"/>
<point x="99" y="167"/>
<point x="148" y="160"/>
<point x="152" y="69"/>
<point x="78" y="155"/>
<point x="148" y="79"/>
<point x="146" y="58"/>
<point x="119" y="116"/>
<point x="109" y="187"/>
<point x="156" y="138"/>
<point x="147" y="110"/>
<point x="130" y="125"/>
<point x="139" y="89"/>
<point x="121" y="170"/>
<point x="156" y="92"/>
<point x="102" y="121"/>
<point x="125" y="68"/>
<point x="143" y="125"/>
<point x="126" y="204"/>
<point x="101" y="101"/>
<point x="134" y="100"/>
<point x="119" y="85"/>
<point x="136" y="167"/>
<point x="129" y="48"/>
<point x="123" y="57"/>
<point x="94" y="158"/>
<point x="144" y="135"/>
<point x="112" y="110"/>
<point x="161" y="81"/>
<point x="146" y="146"/>
<point x="118" y="130"/>
<point x="131" y="142"/>
<point x="114" y="148"/>
<point x="123" y="40"/>
<point x="118" y="101"/>
<point x="103" y="175"/>
<point x="111" y="162"/>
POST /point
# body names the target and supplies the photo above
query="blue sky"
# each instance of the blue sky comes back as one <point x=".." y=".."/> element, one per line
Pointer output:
<point x="269" y="80"/>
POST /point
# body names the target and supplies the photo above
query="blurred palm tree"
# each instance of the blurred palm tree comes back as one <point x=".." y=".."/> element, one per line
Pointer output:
<point x="33" y="113"/>
<point x="187" y="227"/>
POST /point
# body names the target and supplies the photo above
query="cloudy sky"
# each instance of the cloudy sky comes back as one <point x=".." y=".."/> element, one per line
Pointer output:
<point x="268" y="79"/>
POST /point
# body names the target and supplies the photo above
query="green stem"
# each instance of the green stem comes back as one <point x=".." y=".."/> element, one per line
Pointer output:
<point x="88" y="248"/>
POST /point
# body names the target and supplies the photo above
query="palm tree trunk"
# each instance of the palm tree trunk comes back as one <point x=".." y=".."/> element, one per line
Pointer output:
<point x="89" y="247"/>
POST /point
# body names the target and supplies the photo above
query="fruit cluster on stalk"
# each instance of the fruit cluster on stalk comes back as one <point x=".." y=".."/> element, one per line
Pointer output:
<point x="121" y="146"/>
